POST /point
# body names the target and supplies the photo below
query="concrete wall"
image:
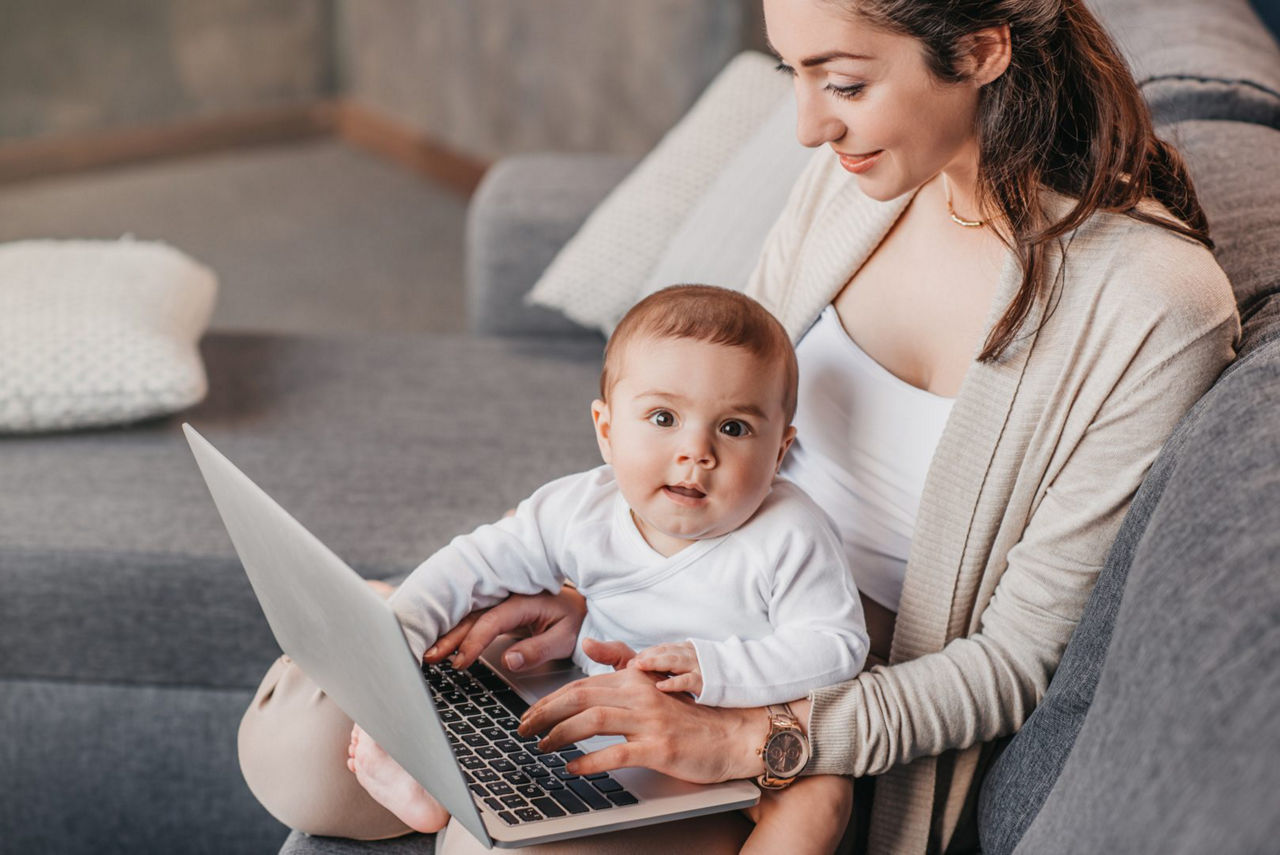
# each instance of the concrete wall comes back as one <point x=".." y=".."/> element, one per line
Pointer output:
<point x="72" y="66"/>
<point x="495" y="77"/>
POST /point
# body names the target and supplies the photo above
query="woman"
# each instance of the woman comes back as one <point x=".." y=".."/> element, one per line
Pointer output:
<point x="992" y="187"/>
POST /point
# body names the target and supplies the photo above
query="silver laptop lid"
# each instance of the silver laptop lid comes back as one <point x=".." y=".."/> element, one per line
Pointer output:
<point x="342" y="634"/>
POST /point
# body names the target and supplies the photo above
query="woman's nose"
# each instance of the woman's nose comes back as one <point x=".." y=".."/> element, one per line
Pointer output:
<point x="816" y="123"/>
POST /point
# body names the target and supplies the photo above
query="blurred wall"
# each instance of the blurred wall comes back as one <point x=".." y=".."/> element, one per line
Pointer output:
<point x="75" y="66"/>
<point x="495" y="77"/>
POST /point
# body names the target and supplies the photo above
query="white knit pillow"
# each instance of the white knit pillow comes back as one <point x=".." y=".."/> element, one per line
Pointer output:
<point x="601" y="271"/>
<point x="99" y="332"/>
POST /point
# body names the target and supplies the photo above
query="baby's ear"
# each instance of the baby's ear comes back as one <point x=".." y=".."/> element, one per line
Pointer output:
<point x="788" y="437"/>
<point x="600" y="418"/>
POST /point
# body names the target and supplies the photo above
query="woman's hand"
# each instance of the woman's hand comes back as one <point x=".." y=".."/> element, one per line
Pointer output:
<point x="666" y="732"/>
<point x="553" y="622"/>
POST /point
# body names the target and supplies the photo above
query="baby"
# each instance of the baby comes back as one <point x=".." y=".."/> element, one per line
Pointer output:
<point x="684" y="545"/>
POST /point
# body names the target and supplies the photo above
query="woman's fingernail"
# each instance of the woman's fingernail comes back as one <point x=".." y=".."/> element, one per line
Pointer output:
<point x="515" y="661"/>
<point x="573" y="767"/>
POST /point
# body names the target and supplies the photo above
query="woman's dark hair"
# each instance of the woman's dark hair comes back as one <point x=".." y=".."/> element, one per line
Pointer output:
<point x="1066" y="115"/>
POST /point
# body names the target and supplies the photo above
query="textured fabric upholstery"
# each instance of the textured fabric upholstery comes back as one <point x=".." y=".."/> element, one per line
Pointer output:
<point x="1196" y="59"/>
<point x="130" y="641"/>
<point x="524" y="211"/>
<point x="1233" y="167"/>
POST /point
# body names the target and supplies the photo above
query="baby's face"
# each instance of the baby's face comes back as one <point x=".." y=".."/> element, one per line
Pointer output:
<point x="695" y="433"/>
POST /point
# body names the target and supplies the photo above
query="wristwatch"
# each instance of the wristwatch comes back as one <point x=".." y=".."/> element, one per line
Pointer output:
<point x="785" y="750"/>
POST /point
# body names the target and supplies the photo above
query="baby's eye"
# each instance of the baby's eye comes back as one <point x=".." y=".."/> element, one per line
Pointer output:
<point x="662" y="418"/>
<point x="733" y="427"/>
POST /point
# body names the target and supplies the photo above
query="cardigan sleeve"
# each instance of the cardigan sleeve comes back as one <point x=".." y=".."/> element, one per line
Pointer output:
<point x="1144" y="375"/>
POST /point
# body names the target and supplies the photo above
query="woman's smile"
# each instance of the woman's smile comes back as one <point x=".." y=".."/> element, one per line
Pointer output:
<point x="859" y="163"/>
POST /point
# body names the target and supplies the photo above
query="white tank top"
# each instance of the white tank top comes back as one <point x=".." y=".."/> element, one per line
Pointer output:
<point x="864" y="440"/>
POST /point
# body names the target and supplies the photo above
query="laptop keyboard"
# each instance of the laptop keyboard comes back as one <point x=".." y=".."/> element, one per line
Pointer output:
<point x="505" y="771"/>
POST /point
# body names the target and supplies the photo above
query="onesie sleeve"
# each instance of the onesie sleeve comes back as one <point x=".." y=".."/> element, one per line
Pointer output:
<point x="515" y="555"/>
<point x="819" y="632"/>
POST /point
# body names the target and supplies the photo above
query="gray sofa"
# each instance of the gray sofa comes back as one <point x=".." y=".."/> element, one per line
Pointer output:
<point x="130" y="642"/>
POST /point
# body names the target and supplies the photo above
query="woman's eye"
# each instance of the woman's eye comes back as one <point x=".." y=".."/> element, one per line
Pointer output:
<point x="662" y="418"/>
<point x="785" y="69"/>
<point x="733" y="427"/>
<point x="851" y="91"/>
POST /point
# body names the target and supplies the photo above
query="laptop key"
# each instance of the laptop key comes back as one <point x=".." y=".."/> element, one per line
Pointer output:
<point x="472" y="763"/>
<point x="479" y="790"/>
<point x="481" y="721"/>
<point x="486" y="776"/>
<point x="514" y="801"/>
<point x="493" y="734"/>
<point x="508" y="746"/>
<point x="475" y="740"/>
<point x="549" y="808"/>
<point x="596" y="776"/>
<point x="550" y="784"/>
<point x="569" y="801"/>
<point x="449" y="716"/>
<point x="571" y="753"/>
<point x="537" y="771"/>
<point x="550" y="760"/>
<point x="508" y="817"/>
<point x="461" y="728"/>
<point x="529" y="791"/>
<point x="503" y="765"/>
<point x="501" y="788"/>
<point x="493" y="804"/>
<point x="608" y="785"/>
<point x="488" y="752"/>
<point x="516" y="778"/>
<point x="528" y="814"/>
<point x="467" y="710"/>
<point x="523" y="758"/>
<point x="507" y="722"/>
<point x="622" y="799"/>
<point x="587" y="793"/>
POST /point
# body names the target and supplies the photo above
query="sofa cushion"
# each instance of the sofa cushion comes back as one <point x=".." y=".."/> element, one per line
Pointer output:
<point x="99" y="332"/>
<point x="598" y="274"/>
<point x="115" y="566"/>
<point x="1196" y="59"/>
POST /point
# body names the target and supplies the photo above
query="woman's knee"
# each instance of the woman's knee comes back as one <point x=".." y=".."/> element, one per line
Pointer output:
<point x="293" y="755"/>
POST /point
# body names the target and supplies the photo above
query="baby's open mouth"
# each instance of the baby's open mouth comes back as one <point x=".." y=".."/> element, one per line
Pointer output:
<point x="687" y="492"/>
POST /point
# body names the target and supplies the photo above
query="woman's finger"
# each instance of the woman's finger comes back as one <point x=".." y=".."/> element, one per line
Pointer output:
<point x="556" y="643"/>
<point x="615" y="654"/>
<point x="681" y="683"/>
<point x="446" y="644"/>
<point x="673" y="663"/>
<point x="570" y="700"/>
<point x="592" y="721"/>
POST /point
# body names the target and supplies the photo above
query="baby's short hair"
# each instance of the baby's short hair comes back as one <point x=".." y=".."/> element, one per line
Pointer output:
<point x="709" y="314"/>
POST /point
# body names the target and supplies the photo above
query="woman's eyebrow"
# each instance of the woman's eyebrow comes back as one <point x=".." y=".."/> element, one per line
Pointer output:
<point x="819" y="59"/>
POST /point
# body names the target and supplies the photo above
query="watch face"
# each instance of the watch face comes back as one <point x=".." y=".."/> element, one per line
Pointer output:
<point x="785" y="754"/>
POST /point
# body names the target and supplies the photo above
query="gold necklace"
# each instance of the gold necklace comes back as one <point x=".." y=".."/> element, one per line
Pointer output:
<point x="956" y="218"/>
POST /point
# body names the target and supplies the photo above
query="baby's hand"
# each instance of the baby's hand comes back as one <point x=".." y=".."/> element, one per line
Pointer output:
<point x="679" y="660"/>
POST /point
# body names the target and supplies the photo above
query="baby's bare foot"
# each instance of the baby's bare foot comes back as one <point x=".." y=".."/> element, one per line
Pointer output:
<point x="391" y="786"/>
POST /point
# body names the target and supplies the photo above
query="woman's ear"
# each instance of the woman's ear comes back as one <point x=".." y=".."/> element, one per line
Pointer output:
<point x="989" y="52"/>
<point x="600" y="418"/>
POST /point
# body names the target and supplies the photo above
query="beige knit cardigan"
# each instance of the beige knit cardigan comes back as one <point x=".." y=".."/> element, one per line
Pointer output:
<point x="1037" y="465"/>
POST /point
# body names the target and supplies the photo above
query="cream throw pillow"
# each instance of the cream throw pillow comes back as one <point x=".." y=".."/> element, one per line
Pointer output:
<point x="603" y="268"/>
<point x="99" y="332"/>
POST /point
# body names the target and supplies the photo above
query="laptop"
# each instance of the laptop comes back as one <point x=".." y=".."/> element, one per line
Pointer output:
<point x="453" y="731"/>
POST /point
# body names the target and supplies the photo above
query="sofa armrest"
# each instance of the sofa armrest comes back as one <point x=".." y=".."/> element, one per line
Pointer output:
<point x="523" y="212"/>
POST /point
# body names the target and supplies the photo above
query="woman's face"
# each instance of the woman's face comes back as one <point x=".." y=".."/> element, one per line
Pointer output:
<point x="869" y="95"/>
